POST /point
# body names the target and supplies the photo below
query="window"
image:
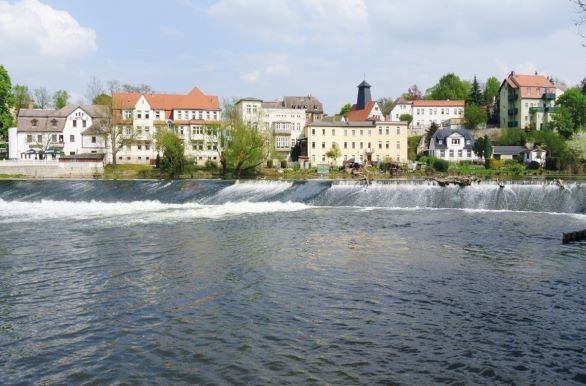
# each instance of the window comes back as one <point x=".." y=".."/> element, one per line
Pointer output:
<point x="345" y="145"/>
<point x="398" y="131"/>
<point x="72" y="138"/>
<point x="361" y="145"/>
<point x="442" y="153"/>
<point x="313" y="145"/>
<point x="353" y="132"/>
<point x="83" y="123"/>
<point x="398" y="145"/>
<point x="380" y="144"/>
<point x="361" y="132"/>
<point x="29" y="138"/>
<point x="54" y="138"/>
<point x="207" y="115"/>
<point x="387" y="131"/>
<point x="387" y="145"/>
<point x="323" y="131"/>
<point x="469" y="153"/>
<point x="147" y="147"/>
<point x="138" y="147"/>
<point x="60" y="138"/>
<point x="451" y="154"/>
<point x="333" y="131"/>
<point x="282" y="142"/>
<point x="323" y="145"/>
<point x="139" y="114"/>
<point x="39" y="138"/>
<point x="313" y="131"/>
<point x="380" y="131"/>
<point x="459" y="153"/>
<point x="248" y="109"/>
<point x="455" y="141"/>
<point x="127" y="114"/>
<point x="94" y="140"/>
<point x="147" y="114"/>
<point x="75" y="123"/>
<point x="157" y="114"/>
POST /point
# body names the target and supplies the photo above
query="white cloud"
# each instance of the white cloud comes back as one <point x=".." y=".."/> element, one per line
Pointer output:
<point x="250" y="77"/>
<point x="31" y="29"/>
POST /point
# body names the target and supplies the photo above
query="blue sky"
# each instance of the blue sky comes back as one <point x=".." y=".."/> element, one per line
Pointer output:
<point x="268" y="49"/>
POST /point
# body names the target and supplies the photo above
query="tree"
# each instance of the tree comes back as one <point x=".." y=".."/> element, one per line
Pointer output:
<point x="512" y="137"/>
<point x="575" y="102"/>
<point x="245" y="149"/>
<point x="478" y="147"/>
<point x="173" y="161"/>
<point x="60" y="99"/>
<point x="102" y="99"/>
<point x="334" y="152"/>
<point x="475" y="95"/>
<point x="406" y="118"/>
<point x="94" y="88"/>
<point x="413" y="93"/>
<point x="385" y="105"/>
<point x="6" y="102"/>
<point x="491" y="90"/>
<point x="562" y="122"/>
<point x="345" y="110"/>
<point x="431" y="131"/>
<point x="22" y="97"/>
<point x="487" y="151"/>
<point x="141" y="89"/>
<point x="474" y="115"/>
<point x="115" y="134"/>
<point x="42" y="98"/>
<point x="449" y="87"/>
<point x="584" y="86"/>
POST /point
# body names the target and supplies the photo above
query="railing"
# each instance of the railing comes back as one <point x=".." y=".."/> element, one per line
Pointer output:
<point x="513" y="111"/>
<point x="548" y="96"/>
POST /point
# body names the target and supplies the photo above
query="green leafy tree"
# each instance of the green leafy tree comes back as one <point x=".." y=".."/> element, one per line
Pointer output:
<point x="487" y="147"/>
<point x="102" y="99"/>
<point x="334" y="152"/>
<point x="575" y="102"/>
<point x="385" y="105"/>
<point x="491" y="90"/>
<point x="245" y="149"/>
<point x="475" y="95"/>
<point x="450" y="86"/>
<point x="60" y="99"/>
<point x="173" y="161"/>
<point x="345" y="109"/>
<point x="431" y="131"/>
<point x="6" y="102"/>
<point x="478" y="147"/>
<point x="413" y="143"/>
<point x="584" y="86"/>
<point x="562" y="122"/>
<point x="406" y="118"/>
<point x="296" y="151"/>
<point x="22" y="97"/>
<point x="474" y="115"/>
<point x="512" y="137"/>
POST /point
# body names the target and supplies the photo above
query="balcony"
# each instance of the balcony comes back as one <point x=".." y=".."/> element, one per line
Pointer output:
<point x="513" y="111"/>
<point x="548" y="96"/>
<point x="513" y="97"/>
<point x="282" y="128"/>
<point x="533" y="110"/>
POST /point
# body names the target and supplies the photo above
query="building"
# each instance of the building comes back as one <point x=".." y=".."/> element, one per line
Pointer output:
<point x="365" y="108"/>
<point x="426" y="112"/>
<point x="194" y="117"/>
<point x="283" y="124"/>
<point x="452" y="145"/>
<point x="367" y="141"/>
<point x="526" y="101"/>
<point x="313" y="108"/>
<point x="72" y="130"/>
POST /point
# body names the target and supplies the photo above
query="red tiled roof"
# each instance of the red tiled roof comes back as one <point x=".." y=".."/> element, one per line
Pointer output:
<point x="194" y="100"/>
<point x="442" y="103"/>
<point x="361" y="115"/>
<point x="531" y="86"/>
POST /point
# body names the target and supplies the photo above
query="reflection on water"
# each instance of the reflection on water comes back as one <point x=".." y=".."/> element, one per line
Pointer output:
<point x="332" y="295"/>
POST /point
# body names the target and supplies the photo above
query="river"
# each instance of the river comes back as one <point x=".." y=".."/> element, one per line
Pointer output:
<point x="301" y="283"/>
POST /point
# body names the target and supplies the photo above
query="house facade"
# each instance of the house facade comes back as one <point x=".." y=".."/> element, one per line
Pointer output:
<point x="426" y="112"/>
<point x="72" y="130"/>
<point x="526" y="101"/>
<point x="367" y="141"/>
<point x="452" y="145"/>
<point x="283" y="125"/>
<point x="194" y="117"/>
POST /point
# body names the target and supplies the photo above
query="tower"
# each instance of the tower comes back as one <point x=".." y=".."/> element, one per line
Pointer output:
<point x="363" y="95"/>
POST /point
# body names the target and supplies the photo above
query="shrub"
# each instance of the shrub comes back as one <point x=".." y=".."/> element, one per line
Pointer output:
<point x="495" y="163"/>
<point x="515" y="168"/>
<point x="534" y="165"/>
<point x="283" y="164"/>
<point x="211" y="164"/>
<point x="270" y="164"/>
<point x="440" y="165"/>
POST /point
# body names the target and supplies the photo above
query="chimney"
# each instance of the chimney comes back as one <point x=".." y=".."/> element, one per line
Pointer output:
<point x="30" y="104"/>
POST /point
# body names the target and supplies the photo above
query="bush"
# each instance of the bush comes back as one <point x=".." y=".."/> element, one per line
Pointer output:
<point x="270" y="164"/>
<point x="495" y="163"/>
<point x="283" y="164"/>
<point x="515" y="168"/>
<point x="533" y="165"/>
<point x="211" y="164"/>
<point x="440" y="165"/>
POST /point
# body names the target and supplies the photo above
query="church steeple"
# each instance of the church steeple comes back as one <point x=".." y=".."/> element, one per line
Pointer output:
<point x="363" y="95"/>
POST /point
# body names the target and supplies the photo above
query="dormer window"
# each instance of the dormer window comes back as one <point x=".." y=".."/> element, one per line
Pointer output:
<point x="440" y="141"/>
<point x="53" y="122"/>
<point x="34" y="122"/>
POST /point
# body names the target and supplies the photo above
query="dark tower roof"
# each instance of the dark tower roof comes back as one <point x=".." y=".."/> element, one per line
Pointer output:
<point x="363" y="95"/>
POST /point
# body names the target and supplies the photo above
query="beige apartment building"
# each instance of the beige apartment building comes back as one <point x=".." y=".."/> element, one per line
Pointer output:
<point x="367" y="141"/>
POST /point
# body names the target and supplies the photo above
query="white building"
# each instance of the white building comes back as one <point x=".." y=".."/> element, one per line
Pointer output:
<point x="426" y="112"/>
<point x="194" y="117"/>
<point x="452" y="145"/>
<point x="284" y="125"/>
<point x="72" y="130"/>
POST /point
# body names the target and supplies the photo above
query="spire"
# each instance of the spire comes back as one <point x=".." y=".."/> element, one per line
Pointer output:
<point x="363" y="95"/>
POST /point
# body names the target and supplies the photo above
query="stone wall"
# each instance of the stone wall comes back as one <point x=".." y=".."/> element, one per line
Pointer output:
<point x="50" y="170"/>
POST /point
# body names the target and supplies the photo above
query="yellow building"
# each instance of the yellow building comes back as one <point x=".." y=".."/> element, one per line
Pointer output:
<point x="367" y="141"/>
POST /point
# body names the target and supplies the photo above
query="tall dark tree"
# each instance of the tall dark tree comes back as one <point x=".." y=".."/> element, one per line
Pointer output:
<point x="430" y="132"/>
<point x="475" y="96"/>
<point x="584" y="86"/>
<point x="487" y="151"/>
<point x="6" y="102"/>
<point x="478" y="147"/>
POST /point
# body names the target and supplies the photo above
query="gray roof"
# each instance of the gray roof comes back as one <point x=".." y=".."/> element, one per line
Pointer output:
<point x="363" y="84"/>
<point x="53" y="121"/>
<point x="346" y="124"/>
<point x="508" y="150"/>
<point x="308" y="103"/>
<point x="248" y="99"/>
<point x="272" y="105"/>
<point x="442" y="134"/>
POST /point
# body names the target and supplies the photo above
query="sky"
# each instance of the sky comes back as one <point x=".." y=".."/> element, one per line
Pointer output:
<point x="268" y="49"/>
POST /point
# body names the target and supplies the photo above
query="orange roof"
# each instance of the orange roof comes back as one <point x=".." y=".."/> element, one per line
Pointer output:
<point x="443" y="103"/>
<point x="194" y="100"/>
<point x="360" y="115"/>
<point x="531" y="86"/>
